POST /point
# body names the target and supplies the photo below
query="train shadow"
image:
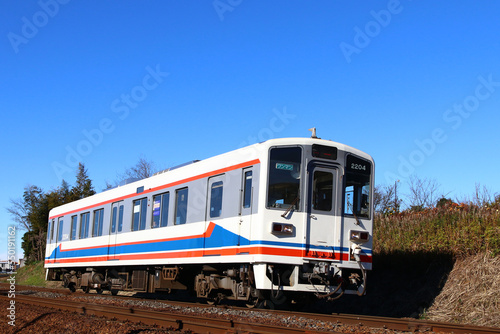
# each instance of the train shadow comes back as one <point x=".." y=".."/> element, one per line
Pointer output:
<point x="400" y="285"/>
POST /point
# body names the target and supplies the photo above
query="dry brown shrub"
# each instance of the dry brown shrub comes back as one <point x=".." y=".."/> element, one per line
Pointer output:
<point x="471" y="294"/>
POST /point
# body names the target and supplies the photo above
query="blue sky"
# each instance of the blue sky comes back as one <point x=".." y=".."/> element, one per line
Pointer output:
<point x="416" y="84"/>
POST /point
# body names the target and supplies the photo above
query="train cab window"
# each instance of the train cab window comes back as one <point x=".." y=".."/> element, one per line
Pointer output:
<point x="284" y="177"/>
<point x="357" y="187"/>
<point x="84" y="225"/>
<point x="160" y="210"/>
<point x="181" y="199"/>
<point x="247" y="190"/>
<point x="216" y="199"/>
<point x="117" y="217"/>
<point x="98" y="219"/>
<point x="73" y="227"/>
<point x="140" y="211"/>
<point x="60" y="224"/>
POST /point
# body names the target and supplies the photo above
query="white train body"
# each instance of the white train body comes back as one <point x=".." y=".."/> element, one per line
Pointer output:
<point x="283" y="216"/>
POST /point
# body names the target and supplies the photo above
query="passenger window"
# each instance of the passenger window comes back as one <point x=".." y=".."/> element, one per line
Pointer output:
<point x="322" y="191"/>
<point x="140" y="211"/>
<point x="247" y="190"/>
<point x="114" y="218"/>
<point x="73" y="227"/>
<point x="98" y="218"/>
<point x="120" y="218"/>
<point x="216" y="200"/>
<point x="59" y="229"/>
<point x="160" y="210"/>
<point x="181" y="198"/>
<point x="51" y="231"/>
<point x="84" y="225"/>
<point x="117" y="217"/>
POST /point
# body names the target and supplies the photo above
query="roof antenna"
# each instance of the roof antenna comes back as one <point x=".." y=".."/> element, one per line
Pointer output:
<point x="313" y="134"/>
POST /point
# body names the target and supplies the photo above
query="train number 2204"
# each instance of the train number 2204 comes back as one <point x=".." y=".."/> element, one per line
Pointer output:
<point x="358" y="166"/>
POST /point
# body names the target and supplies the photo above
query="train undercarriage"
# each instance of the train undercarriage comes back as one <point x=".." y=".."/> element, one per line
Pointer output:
<point x="214" y="283"/>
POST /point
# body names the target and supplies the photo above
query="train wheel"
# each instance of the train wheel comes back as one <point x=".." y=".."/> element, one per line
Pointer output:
<point x="114" y="292"/>
<point x="86" y="289"/>
<point x="72" y="287"/>
<point x="213" y="299"/>
<point x="266" y="304"/>
<point x="279" y="298"/>
<point x="99" y="291"/>
<point x="252" y="302"/>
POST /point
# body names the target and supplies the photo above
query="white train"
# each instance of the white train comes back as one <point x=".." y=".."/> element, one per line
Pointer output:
<point x="278" y="219"/>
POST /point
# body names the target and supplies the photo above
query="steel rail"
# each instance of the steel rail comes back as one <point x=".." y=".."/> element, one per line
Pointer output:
<point x="195" y="324"/>
<point x="399" y="324"/>
<point x="403" y="324"/>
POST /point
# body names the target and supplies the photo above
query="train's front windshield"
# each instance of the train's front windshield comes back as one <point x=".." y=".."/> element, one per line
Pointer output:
<point x="357" y="187"/>
<point x="284" y="177"/>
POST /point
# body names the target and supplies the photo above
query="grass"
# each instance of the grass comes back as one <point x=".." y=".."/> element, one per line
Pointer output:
<point x="457" y="230"/>
<point x="32" y="274"/>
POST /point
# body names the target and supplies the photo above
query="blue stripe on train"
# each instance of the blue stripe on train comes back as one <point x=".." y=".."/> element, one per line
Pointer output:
<point x="220" y="237"/>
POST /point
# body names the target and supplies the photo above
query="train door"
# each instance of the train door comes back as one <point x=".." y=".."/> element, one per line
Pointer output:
<point x="246" y="208"/>
<point x="115" y="228"/>
<point x="323" y="224"/>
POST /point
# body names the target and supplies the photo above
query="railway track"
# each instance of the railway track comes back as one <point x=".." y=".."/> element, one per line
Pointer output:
<point x="205" y="324"/>
<point x="176" y="322"/>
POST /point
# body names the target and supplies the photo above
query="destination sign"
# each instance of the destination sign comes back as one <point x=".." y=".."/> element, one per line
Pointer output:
<point x="283" y="166"/>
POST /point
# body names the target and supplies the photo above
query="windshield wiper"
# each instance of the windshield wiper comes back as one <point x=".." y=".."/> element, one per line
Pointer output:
<point x="290" y="207"/>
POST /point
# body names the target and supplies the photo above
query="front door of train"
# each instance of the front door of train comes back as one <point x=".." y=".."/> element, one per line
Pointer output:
<point x="323" y="227"/>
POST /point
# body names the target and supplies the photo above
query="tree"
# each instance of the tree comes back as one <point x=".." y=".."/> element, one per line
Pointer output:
<point x="423" y="192"/>
<point x="83" y="187"/>
<point x="19" y="213"/>
<point x="386" y="199"/>
<point x="444" y="202"/>
<point x="31" y="214"/>
<point x="143" y="169"/>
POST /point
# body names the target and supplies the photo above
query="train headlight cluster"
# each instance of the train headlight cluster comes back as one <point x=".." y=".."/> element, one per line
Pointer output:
<point x="282" y="228"/>
<point x="359" y="236"/>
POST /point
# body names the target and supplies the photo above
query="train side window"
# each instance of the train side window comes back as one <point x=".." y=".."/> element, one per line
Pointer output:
<point x="140" y="211"/>
<point x="120" y="218"/>
<point x="114" y="218"/>
<point x="97" y="227"/>
<point x="181" y="199"/>
<point x="216" y="199"/>
<point x="84" y="225"/>
<point x="160" y="210"/>
<point x="74" y="221"/>
<point x="51" y="231"/>
<point x="247" y="190"/>
<point x="117" y="217"/>
<point x="59" y="229"/>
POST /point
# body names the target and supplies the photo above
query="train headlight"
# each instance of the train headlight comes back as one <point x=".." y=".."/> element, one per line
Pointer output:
<point x="359" y="236"/>
<point x="282" y="228"/>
